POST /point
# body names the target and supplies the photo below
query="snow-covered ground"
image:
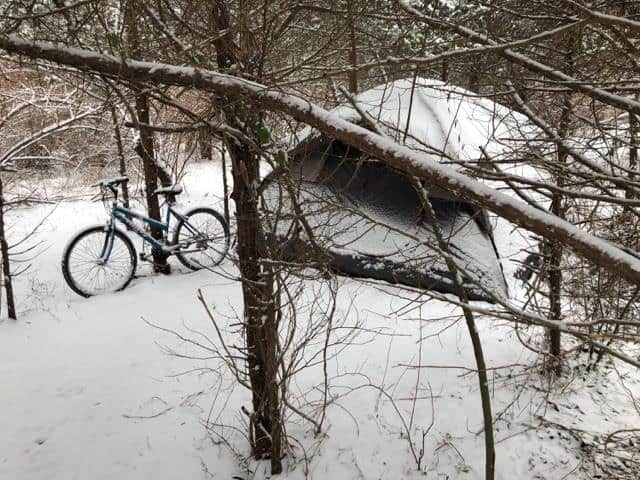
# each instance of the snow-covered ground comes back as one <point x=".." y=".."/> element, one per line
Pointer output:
<point x="119" y="386"/>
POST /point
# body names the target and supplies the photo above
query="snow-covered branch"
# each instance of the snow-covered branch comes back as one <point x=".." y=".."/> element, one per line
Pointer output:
<point x="415" y="163"/>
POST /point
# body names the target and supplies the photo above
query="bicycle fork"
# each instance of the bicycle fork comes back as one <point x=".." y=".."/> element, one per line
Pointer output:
<point x="107" y="246"/>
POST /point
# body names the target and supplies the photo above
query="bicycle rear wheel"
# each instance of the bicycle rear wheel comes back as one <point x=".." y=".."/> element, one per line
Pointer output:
<point x="85" y="271"/>
<point x="203" y="238"/>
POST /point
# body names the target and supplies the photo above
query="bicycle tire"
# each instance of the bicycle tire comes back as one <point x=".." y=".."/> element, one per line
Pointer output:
<point x="68" y="270"/>
<point x="220" y="236"/>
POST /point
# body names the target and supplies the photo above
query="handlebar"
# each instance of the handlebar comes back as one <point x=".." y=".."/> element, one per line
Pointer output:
<point x="110" y="184"/>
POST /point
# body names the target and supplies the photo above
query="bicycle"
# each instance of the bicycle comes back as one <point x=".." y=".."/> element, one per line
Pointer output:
<point x="102" y="258"/>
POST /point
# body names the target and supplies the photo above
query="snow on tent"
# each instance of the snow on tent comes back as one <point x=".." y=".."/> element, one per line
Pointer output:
<point x="368" y="217"/>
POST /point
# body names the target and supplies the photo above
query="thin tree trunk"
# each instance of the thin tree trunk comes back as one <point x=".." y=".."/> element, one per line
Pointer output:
<point x="633" y="151"/>
<point x="144" y="147"/>
<point x="555" y="288"/>
<point x="205" y="144"/>
<point x="122" y="167"/>
<point x="6" y="265"/>
<point x="555" y="252"/>
<point x="225" y="185"/>
<point x="554" y="248"/>
<point x="476" y="342"/>
<point x="353" y="49"/>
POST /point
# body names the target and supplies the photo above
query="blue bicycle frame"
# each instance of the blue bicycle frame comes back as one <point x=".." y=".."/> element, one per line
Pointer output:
<point x="125" y="216"/>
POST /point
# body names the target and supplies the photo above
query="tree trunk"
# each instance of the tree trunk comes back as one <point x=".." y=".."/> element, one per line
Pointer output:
<point x="225" y="185"/>
<point x="259" y="310"/>
<point x="555" y="248"/>
<point x="6" y="265"/>
<point x="260" y="303"/>
<point x="633" y="151"/>
<point x="144" y="147"/>
<point x="476" y="342"/>
<point x="353" y="49"/>
<point x="205" y="144"/>
<point x="122" y="166"/>
<point x="555" y="287"/>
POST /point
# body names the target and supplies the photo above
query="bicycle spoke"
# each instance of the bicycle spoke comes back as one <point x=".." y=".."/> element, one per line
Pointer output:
<point x="87" y="270"/>
<point x="203" y="241"/>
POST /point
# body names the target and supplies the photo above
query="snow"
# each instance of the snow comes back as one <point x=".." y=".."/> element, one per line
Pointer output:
<point x="92" y="390"/>
<point x="439" y="118"/>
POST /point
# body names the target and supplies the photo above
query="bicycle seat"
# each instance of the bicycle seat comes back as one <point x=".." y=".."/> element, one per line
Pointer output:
<point x="171" y="190"/>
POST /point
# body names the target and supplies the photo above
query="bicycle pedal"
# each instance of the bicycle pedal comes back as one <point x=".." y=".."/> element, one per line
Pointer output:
<point x="145" y="257"/>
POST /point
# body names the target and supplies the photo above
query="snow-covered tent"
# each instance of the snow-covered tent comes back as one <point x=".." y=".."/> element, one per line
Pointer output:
<point x="368" y="217"/>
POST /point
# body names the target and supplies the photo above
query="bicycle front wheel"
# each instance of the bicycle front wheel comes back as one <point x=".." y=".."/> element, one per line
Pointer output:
<point x="86" y="270"/>
<point x="202" y="237"/>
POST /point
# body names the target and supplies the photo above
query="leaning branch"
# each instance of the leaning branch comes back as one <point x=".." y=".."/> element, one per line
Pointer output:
<point x="419" y="164"/>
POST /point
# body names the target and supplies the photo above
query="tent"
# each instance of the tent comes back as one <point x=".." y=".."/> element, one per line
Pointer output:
<point x="370" y="218"/>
